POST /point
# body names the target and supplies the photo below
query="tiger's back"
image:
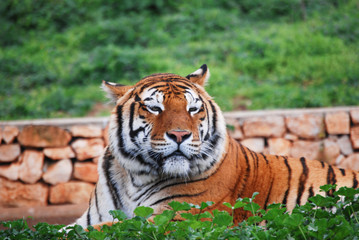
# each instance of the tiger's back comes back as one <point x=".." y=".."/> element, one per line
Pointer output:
<point x="168" y="141"/>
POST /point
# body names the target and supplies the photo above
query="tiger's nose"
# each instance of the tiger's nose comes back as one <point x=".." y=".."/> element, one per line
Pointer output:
<point x="178" y="135"/>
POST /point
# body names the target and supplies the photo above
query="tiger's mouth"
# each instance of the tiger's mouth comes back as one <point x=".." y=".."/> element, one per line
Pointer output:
<point x="176" y="164"/>
<point x="176" y="154"/>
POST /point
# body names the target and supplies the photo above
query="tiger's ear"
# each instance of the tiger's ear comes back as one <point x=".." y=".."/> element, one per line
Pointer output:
<point x="200" y="76"/>
<point x="114" y="90"/>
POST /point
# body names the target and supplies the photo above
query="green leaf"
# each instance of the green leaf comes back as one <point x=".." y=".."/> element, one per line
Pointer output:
<point x="228" y="205"/>
<point x="294" y="219"/>
<point x="254" y="219"/>
<point x="177" y="206"/>
<point x="252" y="207"/>
<point x="328" y="187"/>
<point x="239" y="204"/>
<point x="321" y="201"/>
<point x="161" y="220"/>
<point x="205" y="215"/>
<point x="346" y="192"/>
<point x="118" y="214"/>
<point x="223" y="219"/>
<point x="144" y="212"/>
<point x="273" y="213"/>
<point x="206" y="204"/>
<point x="188" y="216"/>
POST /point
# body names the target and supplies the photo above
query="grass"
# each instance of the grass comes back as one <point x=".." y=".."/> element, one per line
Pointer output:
<point x="261" y="55"/>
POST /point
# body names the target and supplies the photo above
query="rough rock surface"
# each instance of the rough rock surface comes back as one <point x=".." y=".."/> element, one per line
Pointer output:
<point x="272" y="126"/>
<point x="306" y="126"/>
<point x="354" y="136"/>
<point x="59" y="153"/>
<point x="86" y="171"/>
<point x="9" y="152"/>
<point x="331" y="151"/>
<point x="30" y="170"/>
<point x="10" y="171"/>
<point x="58" y="172"/>
<point x="345" y="145"/>
<point x="44" y="136"/>
<point x="337" y="123"/>
<point x="17" y="194"/>
<point x="254" y="144"/>
<point x="351" y="162"/>
<point x="86" y="131"/>
<point x="71" y="192"/>
<point x="308" y="149"/>
<point x="279" y="146"/>
<point x="88" y="148"/>
<point x="354" y="114"/>
<point x="9" y="134"/>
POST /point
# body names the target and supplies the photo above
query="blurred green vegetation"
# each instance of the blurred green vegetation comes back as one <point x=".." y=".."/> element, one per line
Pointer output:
<point x="262" y="54"/>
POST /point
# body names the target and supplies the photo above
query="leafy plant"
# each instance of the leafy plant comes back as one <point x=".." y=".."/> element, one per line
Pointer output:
<point x="332" y="215"/>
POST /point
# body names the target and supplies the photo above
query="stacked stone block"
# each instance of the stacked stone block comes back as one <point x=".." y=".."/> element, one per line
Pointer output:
<point x="331" y="137"/>
<point x="42" y="165"/>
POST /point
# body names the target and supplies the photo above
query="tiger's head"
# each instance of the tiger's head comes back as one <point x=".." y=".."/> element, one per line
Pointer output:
<point x="166" y="125"/>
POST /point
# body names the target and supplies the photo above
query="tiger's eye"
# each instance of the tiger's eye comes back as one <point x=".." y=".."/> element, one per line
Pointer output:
<point x="192" y="109"/>
<point x="155" y="109"/>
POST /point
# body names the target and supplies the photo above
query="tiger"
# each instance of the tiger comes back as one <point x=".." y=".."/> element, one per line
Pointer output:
<point x="168" y="142"/>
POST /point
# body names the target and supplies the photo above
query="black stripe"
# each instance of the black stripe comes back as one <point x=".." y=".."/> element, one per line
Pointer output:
<point x="97" y="208"/>
<point x="152" y="187"/>
<point x="255" y="156"/>
<point x="289" y="179"/>
<point x="160" y="80"/>
<point x="268" y="194"/>
<point x="355" y="181"/>
<point x="285" y="196"/>
<point x="256" y="167"/>
<point x="214" y="141"/>
<point x="246" y="157"/>
<point x="132" y="113"/>
<point x="311" y="192"/>
<point x="88" y="213"/>
<point x="214" y="118"/>
<point x="119" y="131"/>
<point x="137" y="98"/>
<point x="248" y="169"/>
<point x="177" y="183"/>
<point x="331" y="178"/>
<point x="302" y="180"/>
<point x="342" y="171"/>
<point x="106" y="167"/>
<point x="323" y="165"/>
<point x="134" y="133"/>
<point x="183" y="87"/>
<point x="265" y="158"/>
<point x="177" y="196"/>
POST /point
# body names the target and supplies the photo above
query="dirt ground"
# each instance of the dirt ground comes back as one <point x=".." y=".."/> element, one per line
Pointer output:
<point x="61" y="214"/>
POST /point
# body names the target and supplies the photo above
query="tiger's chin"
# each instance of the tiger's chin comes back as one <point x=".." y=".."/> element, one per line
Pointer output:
<point x="176" y="166"/>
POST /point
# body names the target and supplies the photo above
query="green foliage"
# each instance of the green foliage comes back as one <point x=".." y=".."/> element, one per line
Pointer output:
<point x="262" y="54"/>
<point x="332" y="217"/>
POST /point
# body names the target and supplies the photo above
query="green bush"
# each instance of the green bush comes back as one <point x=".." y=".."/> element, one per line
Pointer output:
<point x="332" y="217"/>
<point x="262" y="54"/>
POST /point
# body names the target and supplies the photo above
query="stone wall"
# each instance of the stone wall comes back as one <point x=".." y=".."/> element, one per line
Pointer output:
<point x="49" y="162"/>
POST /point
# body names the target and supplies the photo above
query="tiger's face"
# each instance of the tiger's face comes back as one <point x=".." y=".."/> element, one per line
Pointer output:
<point x="166" y="125"/>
